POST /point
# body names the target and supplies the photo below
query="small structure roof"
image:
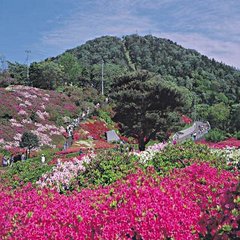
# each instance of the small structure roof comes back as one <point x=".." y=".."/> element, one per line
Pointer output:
<point x="112" y="136"/>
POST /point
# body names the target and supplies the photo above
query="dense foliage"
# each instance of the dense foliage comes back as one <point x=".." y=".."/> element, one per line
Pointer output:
<point x="213" y="82"/>
<point x="144" y="105"/>
<point x="183" y="155"/>
<point x="46" y="75"/>
<point x="29" y="141"/>
<point x="215" y="135"/>
<point x="106" y="168"/>
<point x="23" y="172"/>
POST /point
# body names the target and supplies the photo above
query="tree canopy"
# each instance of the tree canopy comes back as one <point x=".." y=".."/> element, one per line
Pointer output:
<point x="29" y="140"/>
<point x="18" y="72"/>
<point x="46" y="75"/>
<point x="144" y="104"/>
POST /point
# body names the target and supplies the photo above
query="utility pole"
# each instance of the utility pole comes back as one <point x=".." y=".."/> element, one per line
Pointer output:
<point x="102" y="76"/>
<point x="195" y="110"/>
<point x="2" y="59"/>
<point x="27" y="59"/>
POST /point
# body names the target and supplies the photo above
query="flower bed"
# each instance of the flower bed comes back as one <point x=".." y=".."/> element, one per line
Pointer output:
<point x="56" y="160"/>
<point x="231" y="142"/>
<point x="95" y="129"/>
<point x="69" y="150"/>
<point x="103" y="145"/>
<point x="195" y="202"/>
<point x="63" y="173"/>
<point x="31" y="109"/>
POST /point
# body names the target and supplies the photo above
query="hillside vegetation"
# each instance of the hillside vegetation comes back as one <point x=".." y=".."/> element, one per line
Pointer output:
<point x="215" y="86"/>
<point x="213" y="82"/>
<point x="40" y="111"/>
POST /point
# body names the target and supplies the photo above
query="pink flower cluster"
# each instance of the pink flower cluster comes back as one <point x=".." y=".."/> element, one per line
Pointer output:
<point x="157" y="147"/>
<point x="194" y="202"/>
<point x="30" y="109"/>
<point x="231" y="142"/>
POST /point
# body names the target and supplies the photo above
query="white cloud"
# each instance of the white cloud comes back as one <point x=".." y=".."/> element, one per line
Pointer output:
<point x="227" y="52"/>
<point x="82" y="27"/>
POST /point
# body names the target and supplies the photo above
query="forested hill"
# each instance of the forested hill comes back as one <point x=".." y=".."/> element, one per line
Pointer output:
<point x="212" y="81"/>
<point x="215" y="86"/>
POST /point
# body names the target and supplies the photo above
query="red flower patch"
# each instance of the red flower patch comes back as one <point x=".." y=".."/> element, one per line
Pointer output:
<point x="186" y="119"/>
<point x="95" y="129"/>
<point x="69" y="150"/>
<point x="103" y="145"/>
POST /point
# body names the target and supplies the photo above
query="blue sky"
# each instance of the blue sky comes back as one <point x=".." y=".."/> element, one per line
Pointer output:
<point x="49" y="27"/>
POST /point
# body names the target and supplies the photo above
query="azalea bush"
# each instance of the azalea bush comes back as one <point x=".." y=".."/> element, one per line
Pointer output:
<point x="182" y="155"/>
<point x="35" y="110"/>
<point x="100" y="144"/>
<point x="96" y="129"/>
<point x="105" y="116"/>
<point x="106" y="168"/>
<point x="147" y="155"/>
<point x="237" y="135"/>
<point x="88" y="170"/>
<point x="27" y="171"/>
<point x="231" y="156"/>
<point x="23" y="172"/>
<point x="215" y="135"/>
<point x="230" y="142"/>
<point x="63" y="174"/>
<point x="198" y="202"/>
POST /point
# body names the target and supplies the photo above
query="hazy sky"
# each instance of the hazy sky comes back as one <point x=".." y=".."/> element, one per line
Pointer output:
<point x="49" y="27"/>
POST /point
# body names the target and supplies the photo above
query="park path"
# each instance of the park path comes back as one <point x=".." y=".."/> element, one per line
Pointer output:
<point x="195" y="132"/>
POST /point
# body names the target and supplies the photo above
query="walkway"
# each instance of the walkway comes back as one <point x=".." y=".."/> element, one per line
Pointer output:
<point x="195" y="132"/>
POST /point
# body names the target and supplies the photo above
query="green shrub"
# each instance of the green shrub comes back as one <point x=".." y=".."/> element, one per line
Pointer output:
<point x="105" y="116"/>
<point x="182" y="155"/>
<point x="5" y="152"/>
<point x="107" y="168"/>
<point x="23" y="172"/>
<point x="237" y="135"/>
<point x="216" y="135"/>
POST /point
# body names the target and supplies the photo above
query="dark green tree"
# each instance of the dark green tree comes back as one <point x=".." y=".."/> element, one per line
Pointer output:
<point x="144" y="104"/>
<point x="46" y="75"/>
<point x="29" y="141"/>
<point x="218" y="115"/>
<point x="71" y="67"/>
<point x="18" y="71"/>
<point x="235" y="118"/>
<point x="6" y="79"/>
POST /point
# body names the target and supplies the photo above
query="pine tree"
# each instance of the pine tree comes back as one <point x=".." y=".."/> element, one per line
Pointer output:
<point x="144" y="103"/>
